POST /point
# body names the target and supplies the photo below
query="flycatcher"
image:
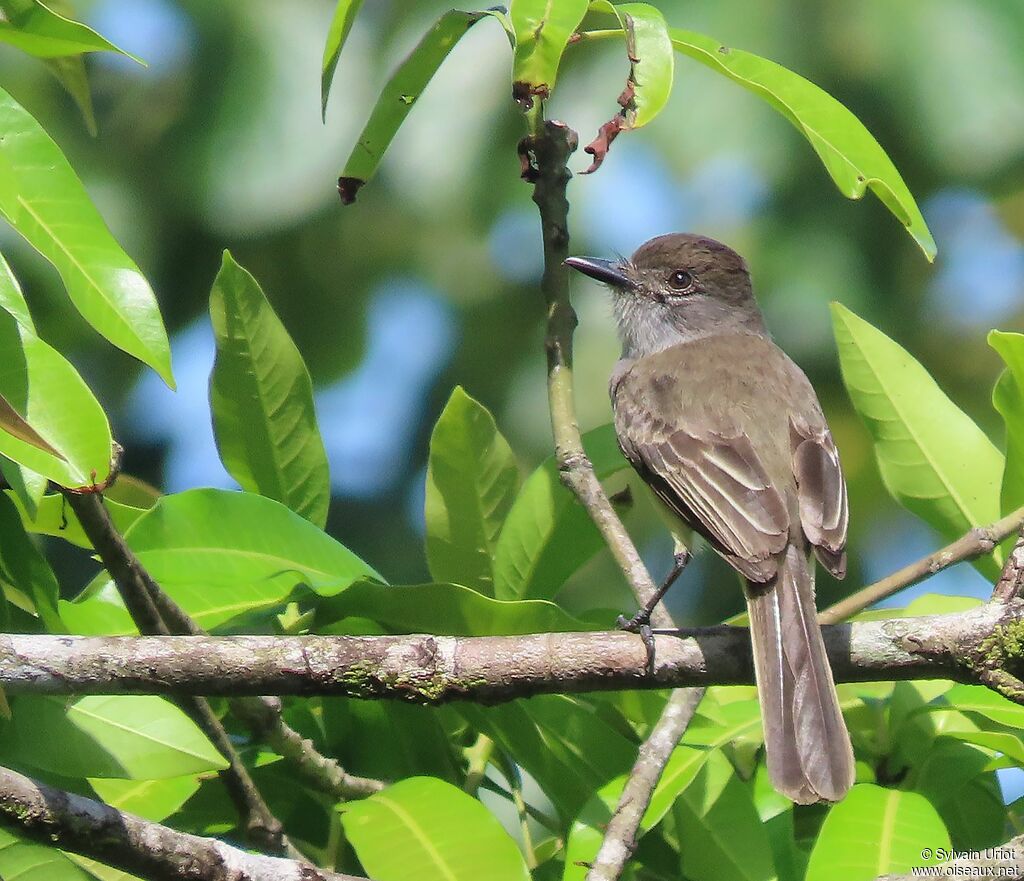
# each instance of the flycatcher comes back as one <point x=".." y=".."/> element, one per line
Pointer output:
<point x="728" y="433"/>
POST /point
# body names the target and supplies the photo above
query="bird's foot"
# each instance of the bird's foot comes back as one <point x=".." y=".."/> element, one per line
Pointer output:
<point x="640" y="624"/>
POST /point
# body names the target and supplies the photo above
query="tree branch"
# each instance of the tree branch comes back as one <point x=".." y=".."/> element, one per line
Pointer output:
<point x="620" y="836"/>
<point x="548" y="147"/>
<point x="126" y="842"/>
<point x="141" y="594"/>
<point x="979" y="645"/>
<point x="1011" y="579"/>
<point x="975" y="543"/>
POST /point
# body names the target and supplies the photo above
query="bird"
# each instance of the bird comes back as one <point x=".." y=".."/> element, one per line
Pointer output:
<point x="728" y="433"/>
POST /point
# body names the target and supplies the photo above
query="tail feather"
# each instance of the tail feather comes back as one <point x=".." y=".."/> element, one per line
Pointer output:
<point x="808" y="747"/>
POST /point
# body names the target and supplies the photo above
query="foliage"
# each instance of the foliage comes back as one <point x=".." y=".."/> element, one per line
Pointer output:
<point x="500" y="549"/>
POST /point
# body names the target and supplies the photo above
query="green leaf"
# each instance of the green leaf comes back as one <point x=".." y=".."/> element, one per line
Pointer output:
<point x="70" y="72"/>
<point x="99" y="871"/>
<point x="53" y="517"/>
<point x="24" y="567"/>
<point x="50" y="423"/>
<point x="418" y="742"/>
<point x="1009" y="743"/>
<point x="262" y="400"/>
<point x="736" y="721"/>
<point x="43" y="199"/>
<point x="562" y="743"/>
<point x="875" y="831"/>
<point x="542" y="30"/>
<point x="125" y="736"/>
<point x="720" y="832"/>
<point x="981" y="700"/>
<point x="445" y="610"/>
<point x="472" y="480"/>
<point x="587" y="830"/>
<point x="547" y="534"/>
<point x="399" y="96"/>
<point x="953" y="777"/>
<point x="651" y="46"/>
<point x="28" y="486"/>
<point x="344" y="15"/>
<point x="22" y="860"/>
<point x="153" y="799"/>
<point x="34" y="28"/>
<point x="1008" y="399"/>
<point x="850" y="153"/>
<point x="221" y="554"/>
<point x="934" y="460"/>
<point x="427" y="829"/>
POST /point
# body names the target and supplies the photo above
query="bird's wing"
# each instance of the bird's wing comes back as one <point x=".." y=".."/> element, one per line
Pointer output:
<point x="821" y="491"/>
<point x="714" y="482"/>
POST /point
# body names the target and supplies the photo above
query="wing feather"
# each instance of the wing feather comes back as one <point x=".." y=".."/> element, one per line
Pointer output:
<point x="821" y="492"/>
<point x="713" y="482"/>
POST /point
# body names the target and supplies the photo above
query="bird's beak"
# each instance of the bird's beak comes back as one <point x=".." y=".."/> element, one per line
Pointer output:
<point x="607" y="271"/>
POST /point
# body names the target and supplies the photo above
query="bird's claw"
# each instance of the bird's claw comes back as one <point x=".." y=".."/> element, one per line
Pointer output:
<point x="640" y="624"/>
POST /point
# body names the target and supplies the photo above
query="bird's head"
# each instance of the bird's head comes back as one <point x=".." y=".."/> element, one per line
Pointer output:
<point x="676" y="288"/>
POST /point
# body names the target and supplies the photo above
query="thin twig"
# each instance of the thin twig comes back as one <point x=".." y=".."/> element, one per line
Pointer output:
<point x="547" y="148"/>
<point x="975" y="543"/>
<point x="138" y="591"/>
<point x="548" y="145"/>
<point x="621" y="835"/>
<point x="129" y="843"/>
<point x="261" y="715"/>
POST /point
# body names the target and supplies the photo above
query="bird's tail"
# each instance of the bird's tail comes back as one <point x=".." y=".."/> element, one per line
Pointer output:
<point x="808" y="747"/>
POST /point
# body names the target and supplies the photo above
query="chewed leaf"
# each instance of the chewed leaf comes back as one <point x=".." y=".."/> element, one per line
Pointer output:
<point x="651" y="66"/>
<point x="850" y="153"/>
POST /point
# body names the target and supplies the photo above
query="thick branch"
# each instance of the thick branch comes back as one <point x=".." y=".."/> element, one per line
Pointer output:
<point x="979" y="645"/>
<point x="93" y="829"/>
<point x="975" y="543"/>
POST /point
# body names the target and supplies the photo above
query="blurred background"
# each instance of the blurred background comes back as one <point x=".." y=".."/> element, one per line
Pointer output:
<point x="430" y="279"/>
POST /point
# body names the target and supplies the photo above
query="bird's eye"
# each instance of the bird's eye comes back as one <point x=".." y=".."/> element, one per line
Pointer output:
<point x="680" y="280"/>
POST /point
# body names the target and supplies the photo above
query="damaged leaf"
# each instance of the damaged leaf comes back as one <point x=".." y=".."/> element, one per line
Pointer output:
<point x="542" y="31"/>
<point x="651" y="65"/>
<point x="649" y="50"/>
<point x="399" y="96"/>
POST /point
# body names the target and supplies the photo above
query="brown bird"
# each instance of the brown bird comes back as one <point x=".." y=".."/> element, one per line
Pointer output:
<point x="728" y="433"/>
